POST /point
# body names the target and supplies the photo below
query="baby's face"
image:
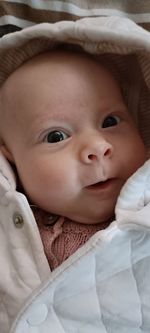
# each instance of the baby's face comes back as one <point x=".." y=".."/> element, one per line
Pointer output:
<point x="68" y="131"/>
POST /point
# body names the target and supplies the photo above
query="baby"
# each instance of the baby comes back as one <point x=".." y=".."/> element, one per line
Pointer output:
<point x="68" y="132"/>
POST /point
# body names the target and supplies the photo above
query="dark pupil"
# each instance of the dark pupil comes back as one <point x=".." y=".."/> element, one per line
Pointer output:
<point x="109" y="121"/>
<point x="54" y="137"/>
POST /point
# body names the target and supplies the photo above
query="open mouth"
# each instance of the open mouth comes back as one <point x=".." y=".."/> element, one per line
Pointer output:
<point x="101" y="185"/>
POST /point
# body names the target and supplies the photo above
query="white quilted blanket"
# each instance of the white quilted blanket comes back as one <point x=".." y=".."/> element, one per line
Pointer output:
<point x="105" y="286"/>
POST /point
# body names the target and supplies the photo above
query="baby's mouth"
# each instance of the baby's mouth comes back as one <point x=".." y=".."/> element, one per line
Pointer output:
<point x="101" y="185"/>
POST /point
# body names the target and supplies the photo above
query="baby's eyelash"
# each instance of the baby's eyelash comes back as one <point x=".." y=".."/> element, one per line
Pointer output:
<point x="110" y="121"/>
<point x="55" y="136"/>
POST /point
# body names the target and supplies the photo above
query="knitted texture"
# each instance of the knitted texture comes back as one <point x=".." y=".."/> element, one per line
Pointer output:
<point x="61" y="237"/>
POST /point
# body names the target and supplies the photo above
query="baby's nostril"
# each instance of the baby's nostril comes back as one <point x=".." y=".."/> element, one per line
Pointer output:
<point x="92" y="157"/>
<point x="107" y="152"/>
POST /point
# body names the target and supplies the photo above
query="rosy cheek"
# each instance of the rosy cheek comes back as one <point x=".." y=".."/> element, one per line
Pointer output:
<point x="52" y="176"/>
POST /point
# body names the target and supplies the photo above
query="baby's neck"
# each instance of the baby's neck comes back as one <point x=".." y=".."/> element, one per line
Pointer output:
<point x="53" y="218"/>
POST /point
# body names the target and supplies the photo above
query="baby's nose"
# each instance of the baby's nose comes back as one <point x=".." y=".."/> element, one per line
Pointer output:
<point x="96" y="150"/>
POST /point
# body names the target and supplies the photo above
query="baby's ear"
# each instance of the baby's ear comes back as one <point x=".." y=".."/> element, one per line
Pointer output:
<point x="5" y="151"/>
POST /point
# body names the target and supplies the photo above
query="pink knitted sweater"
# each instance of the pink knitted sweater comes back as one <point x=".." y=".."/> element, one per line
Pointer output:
<point x="62" y="237"/>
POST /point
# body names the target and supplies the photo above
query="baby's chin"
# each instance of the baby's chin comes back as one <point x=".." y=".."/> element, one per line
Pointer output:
<point x="104" y="220"/>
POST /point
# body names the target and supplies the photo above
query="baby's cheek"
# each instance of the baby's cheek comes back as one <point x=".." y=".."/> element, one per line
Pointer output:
<point x="50" y="178"/>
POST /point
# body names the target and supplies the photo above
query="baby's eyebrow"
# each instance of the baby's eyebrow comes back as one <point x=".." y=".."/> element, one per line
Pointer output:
<point x="43" y="122"/>
<point x="56" y="116"/>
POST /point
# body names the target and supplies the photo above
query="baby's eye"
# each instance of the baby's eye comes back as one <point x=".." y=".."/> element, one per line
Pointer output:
<point x="110" y="121"/>
<point x="56" y="136"/>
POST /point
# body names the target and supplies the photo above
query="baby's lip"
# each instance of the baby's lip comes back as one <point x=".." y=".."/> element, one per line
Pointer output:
<point x="101" y="184"/>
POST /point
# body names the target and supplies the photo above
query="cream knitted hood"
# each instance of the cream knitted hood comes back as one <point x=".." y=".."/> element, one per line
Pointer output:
<point x="117" y="42"/>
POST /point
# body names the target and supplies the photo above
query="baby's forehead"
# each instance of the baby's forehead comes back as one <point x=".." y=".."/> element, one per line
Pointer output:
<point x="25" y="79"/>
<point x="57" y="62"/>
